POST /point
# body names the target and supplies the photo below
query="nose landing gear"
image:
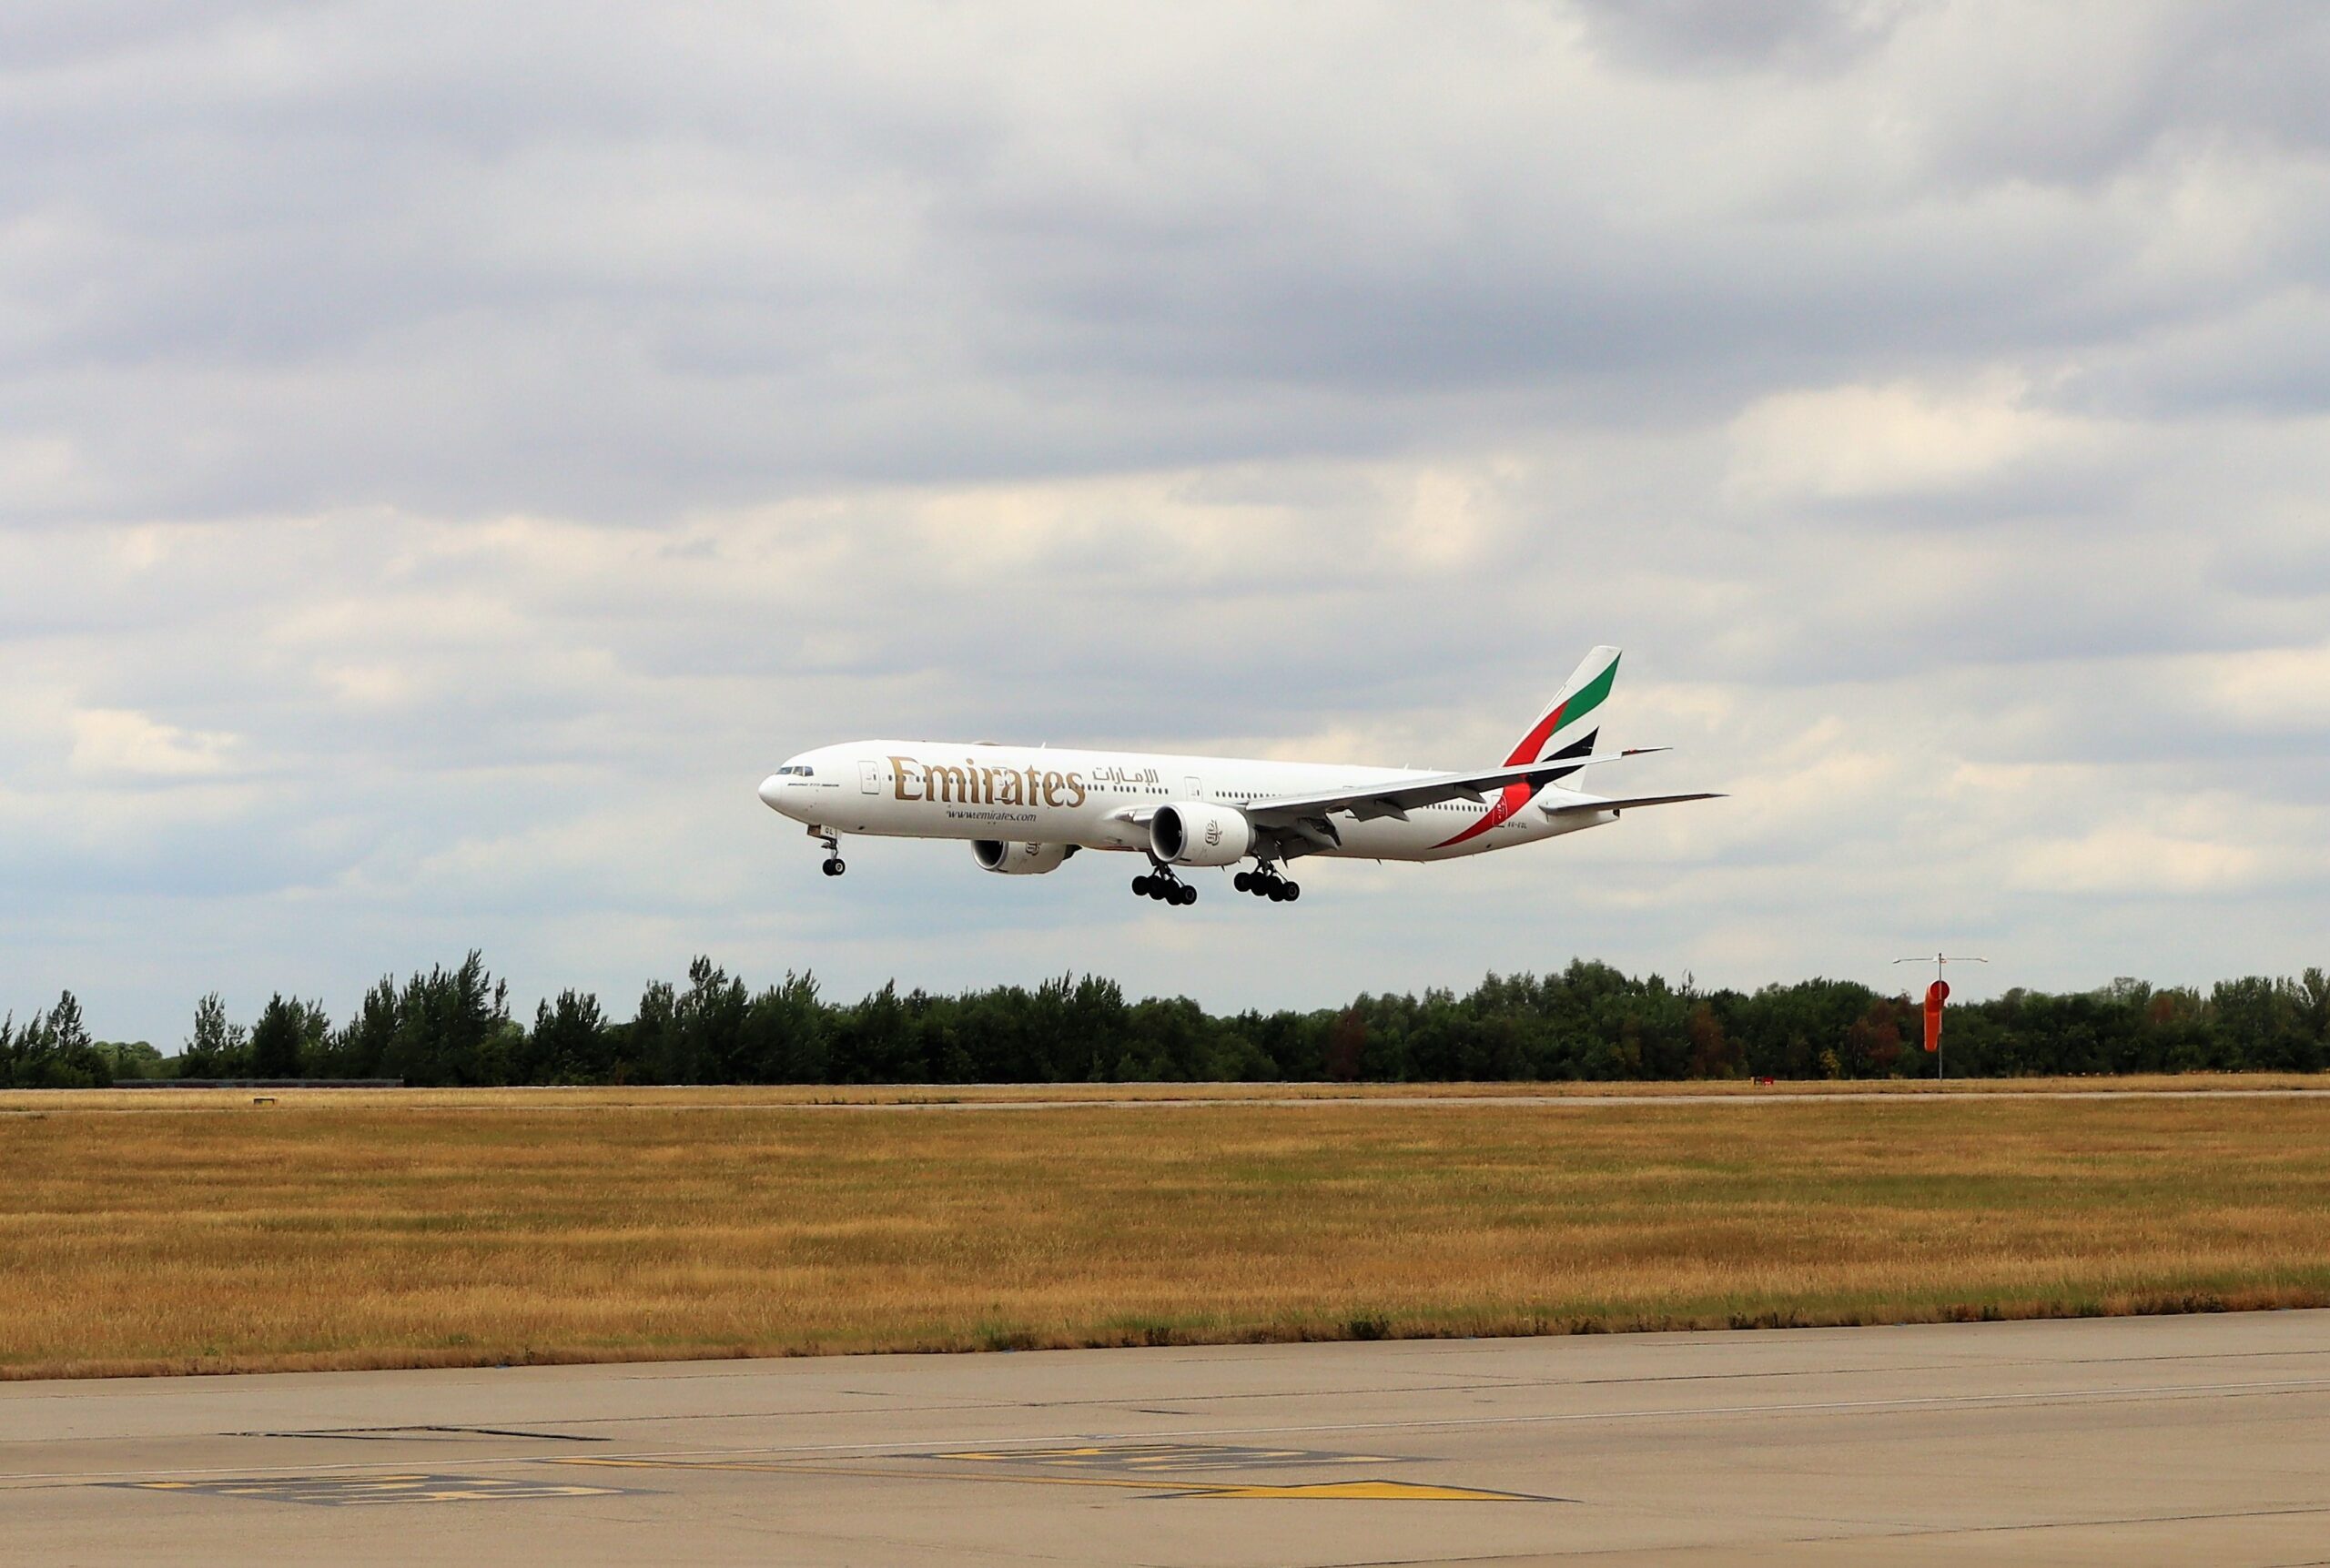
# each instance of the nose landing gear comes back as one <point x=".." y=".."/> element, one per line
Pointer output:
<point x="834" y="865"/>
<point x="1266" y="882"/>
<point x="1164" y="885"/>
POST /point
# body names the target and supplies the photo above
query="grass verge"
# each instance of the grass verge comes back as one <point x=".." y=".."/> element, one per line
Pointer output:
<point x="330" y="1232"/>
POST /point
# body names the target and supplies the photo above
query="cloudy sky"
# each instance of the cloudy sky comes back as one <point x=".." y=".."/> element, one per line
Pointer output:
<point x="448" y="454"/>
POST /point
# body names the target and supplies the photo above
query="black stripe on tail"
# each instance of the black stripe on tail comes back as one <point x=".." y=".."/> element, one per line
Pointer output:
<point x="1581" y="747"/>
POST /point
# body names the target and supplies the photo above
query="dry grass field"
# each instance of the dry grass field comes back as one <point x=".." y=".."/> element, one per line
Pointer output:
<point x="153" y="1232"/>
<point x="765" y="1095"/>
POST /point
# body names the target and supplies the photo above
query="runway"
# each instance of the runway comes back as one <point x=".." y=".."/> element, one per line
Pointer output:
<point x="2121" y="1441"/>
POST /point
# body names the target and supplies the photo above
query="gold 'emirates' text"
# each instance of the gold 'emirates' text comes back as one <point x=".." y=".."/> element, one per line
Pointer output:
<point x="972" y="784"/>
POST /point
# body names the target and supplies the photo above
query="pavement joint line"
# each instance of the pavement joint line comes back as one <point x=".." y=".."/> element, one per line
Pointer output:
<point x="1926" y="1531"/>
<point x="1969" y="1402"/>
<point x="421" y="1432"/>
<point x="1961" y="1401"/>
<point x="808" y="1468"/>
<point x="1516" y="1382"/>
<point x="1504" y="1385"/>
<point x="99" y="1388"/>
<point x="1367" y="1489"/>
<point x="402" y="1486"/>
<point x="1519" y="1382"/>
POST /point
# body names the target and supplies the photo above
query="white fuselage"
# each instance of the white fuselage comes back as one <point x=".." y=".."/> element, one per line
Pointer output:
<point x="1102" y="800"/>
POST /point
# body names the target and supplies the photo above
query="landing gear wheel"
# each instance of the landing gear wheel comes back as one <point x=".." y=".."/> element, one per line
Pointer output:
<point x="1265" y="882"/>
<point x="1243" y="881"/>
<point x="1164" y="887"/>
<point x="1293" y="891"/>
<point x="833" y="866"/>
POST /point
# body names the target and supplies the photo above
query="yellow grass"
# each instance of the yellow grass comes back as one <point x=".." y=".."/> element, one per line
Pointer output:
<point x="664" y="1097"/>
<point x="375" y="1230"/>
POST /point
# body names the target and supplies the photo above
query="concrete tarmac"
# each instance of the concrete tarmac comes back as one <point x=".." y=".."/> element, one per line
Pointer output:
<point x="2126" y="1441"/>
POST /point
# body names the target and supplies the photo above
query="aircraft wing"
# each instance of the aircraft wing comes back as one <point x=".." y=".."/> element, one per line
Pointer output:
<point x="1397" y="797"/>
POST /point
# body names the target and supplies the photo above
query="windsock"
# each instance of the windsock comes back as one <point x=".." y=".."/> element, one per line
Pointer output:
<point x="1936" y="995"/>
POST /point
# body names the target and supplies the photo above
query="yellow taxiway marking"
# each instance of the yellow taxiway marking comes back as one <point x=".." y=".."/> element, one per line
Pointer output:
<point x="1324" y="1491"/>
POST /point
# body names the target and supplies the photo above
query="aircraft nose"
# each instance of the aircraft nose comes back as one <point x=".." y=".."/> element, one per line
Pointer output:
<point x="771" y="790"/>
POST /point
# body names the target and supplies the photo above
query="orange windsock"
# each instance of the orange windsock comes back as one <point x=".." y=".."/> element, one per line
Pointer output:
<point x="1936" y="995"/>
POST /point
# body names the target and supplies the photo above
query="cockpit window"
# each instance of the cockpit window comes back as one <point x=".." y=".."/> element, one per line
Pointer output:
<point x="806" y="771"/>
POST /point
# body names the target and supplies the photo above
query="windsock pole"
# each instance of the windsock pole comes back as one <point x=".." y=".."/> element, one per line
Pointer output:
<point x="1936" y="995"/>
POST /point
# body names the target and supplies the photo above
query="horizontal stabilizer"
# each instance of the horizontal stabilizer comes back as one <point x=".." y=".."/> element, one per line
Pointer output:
<point x="1615" y="806"/>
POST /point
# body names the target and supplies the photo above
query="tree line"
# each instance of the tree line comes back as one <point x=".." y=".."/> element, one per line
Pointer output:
<point x="452" y="1027"/>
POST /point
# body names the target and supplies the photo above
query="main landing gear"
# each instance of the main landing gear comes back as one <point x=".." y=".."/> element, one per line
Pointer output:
<point x="1268" y="884"/>
<point x="835" y="864"/>
<point x="1161" y="884"/>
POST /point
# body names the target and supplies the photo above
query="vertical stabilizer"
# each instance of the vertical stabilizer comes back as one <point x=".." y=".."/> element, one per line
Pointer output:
<point x="1568" y="726"/>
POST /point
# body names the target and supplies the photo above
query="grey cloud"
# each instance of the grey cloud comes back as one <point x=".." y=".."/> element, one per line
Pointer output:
<point x="446" y="259"/>
<point x="1794" y="35"/>
<point x="468" y="446"/>
<point x="2269" y="357"/>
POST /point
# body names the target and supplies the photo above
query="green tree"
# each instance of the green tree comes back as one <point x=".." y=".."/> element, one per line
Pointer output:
<point x="52" y="1051"/>
<point x="452" y="1028"/>
<point x="1347" y="1045"/>
<point x="788" y="1034"/>
<point x="217" y="1049"/>
<point x="570" y="1044"/>
<point x="707" y="1038"/>
<point x="132" y="1059"/>
<point x="289" y="1036"/>
<point x="361" y="1046"/>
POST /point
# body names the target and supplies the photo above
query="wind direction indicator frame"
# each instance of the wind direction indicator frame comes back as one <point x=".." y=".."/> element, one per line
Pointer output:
<point x="1936" y="995"/>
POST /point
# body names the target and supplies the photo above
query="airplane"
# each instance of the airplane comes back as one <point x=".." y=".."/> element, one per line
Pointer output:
<point x="1027" y="810"/>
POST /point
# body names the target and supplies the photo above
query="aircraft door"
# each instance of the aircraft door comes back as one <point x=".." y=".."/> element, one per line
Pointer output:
<point x="1195" y="787"/>
<point x="869" y="778"/>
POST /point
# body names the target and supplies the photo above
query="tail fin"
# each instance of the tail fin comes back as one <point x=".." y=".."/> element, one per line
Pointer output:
<point x="1568" y="728"/>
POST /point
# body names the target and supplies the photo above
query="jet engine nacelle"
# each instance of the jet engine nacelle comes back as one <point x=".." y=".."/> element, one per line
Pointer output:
<point x="1192" y="833"/>
<point x="1012" y="858"/>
